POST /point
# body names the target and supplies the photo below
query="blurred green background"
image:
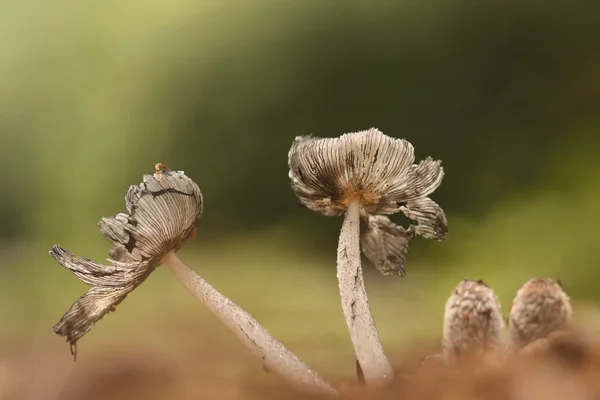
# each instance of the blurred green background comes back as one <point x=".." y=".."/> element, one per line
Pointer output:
<point x="92" y="95"/>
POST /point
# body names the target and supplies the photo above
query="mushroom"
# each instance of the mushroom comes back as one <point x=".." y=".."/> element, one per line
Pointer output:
<point x="366" y="175"/>
<point x="473" y="322"/>
<point x="162" y="214"/>
<point x="540" y="307"/>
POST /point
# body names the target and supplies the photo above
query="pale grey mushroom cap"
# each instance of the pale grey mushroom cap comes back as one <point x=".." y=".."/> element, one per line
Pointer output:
<point x="326" y="174"/>
<point x="540" y="307"/>
<point x="163" y="211"/>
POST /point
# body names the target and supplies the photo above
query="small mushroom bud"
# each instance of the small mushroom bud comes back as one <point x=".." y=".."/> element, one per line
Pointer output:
<point x="366" y="175"/>
<point x="162" y="214"/>
<point x="539" y="308"/>
<point x="473" y="322"/>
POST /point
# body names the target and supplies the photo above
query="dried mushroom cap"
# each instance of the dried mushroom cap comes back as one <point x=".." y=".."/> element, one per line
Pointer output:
<point x="110" y="285"/>
<point x="163" y="211"/>
<point x="327" y="173"/>
<point x="431" y="219"/>
<point x="385" y="244"/>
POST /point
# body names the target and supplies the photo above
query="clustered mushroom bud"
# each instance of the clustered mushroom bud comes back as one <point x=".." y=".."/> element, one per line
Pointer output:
<point x="540" y="308"/>
<point x="366" y="176"/>
<point x="162" y="213"/>
<point x="473" y="322"/>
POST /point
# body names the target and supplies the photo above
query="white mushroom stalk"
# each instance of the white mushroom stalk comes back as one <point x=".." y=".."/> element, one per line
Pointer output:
<point x="273" y="354"/>
<point x="363" y="176"/>
<point x="540" y="307"/>
<point x="473" y="322"/>
<point x="162" y="213"/>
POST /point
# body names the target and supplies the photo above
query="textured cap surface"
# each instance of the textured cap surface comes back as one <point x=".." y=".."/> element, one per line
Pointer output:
<point x="472" y="320"/>
<point x="163" y="211"/>
<point x="327" y="173"/>
<point x="539" y="308"/>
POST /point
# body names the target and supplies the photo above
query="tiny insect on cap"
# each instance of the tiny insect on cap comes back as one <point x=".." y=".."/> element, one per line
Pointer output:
<point x="163" y="211"/>
<point x="326" y="174"/>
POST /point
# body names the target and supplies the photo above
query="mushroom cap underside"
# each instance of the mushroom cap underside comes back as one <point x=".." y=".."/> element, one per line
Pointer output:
<point x="373" y="168"/>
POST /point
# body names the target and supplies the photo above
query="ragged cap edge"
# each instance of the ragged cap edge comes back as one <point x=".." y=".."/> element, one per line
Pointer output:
<point x="125" y="274"/>
<point x="84" y="313"/>
<point x="327" y="173"/>
<point x="110" y="284"/>
<point x="385" y="244"/>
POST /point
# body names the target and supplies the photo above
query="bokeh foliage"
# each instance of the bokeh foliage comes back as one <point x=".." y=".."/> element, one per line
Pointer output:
<point x="505" y="93"/>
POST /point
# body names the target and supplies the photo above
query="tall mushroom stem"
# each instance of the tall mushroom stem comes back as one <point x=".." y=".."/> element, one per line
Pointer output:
<point x="270" y="351"/>
<point x="355" y="303"/>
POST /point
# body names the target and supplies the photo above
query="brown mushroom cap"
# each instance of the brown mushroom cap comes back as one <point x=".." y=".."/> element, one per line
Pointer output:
<point x="327" y="173"/>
